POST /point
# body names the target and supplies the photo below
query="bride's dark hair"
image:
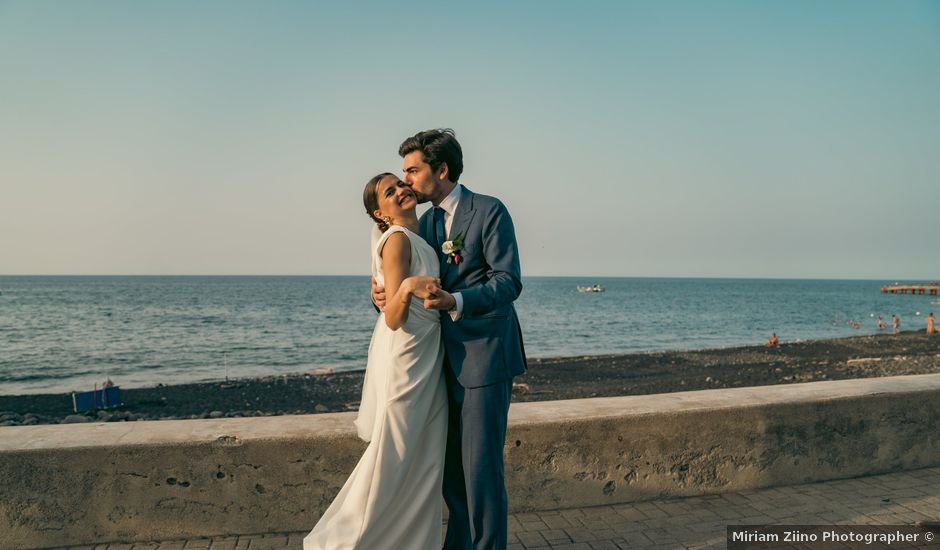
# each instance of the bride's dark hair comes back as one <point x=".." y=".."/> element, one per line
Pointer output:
<point x="370" y="198"/>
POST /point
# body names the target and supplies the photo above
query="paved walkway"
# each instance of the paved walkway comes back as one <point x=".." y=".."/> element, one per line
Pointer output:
<point x="697" y="522"/>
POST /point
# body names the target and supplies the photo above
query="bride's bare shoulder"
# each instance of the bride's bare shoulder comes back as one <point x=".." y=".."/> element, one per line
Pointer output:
<point x="397" y="245"/>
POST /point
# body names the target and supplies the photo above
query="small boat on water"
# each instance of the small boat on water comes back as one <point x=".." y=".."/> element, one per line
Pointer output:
<point x="592" y="288"/>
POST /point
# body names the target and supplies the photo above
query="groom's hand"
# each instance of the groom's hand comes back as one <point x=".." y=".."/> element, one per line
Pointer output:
<point x="378" y="294"/>
<point x="426" y="287"/>
<point x="440" y="299"/>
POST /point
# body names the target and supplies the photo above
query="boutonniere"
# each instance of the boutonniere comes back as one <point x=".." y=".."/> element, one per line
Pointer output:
<point x="452" y="248"/>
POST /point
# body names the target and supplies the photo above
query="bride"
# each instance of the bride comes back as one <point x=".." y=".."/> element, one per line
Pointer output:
<point x="392" y="499"/>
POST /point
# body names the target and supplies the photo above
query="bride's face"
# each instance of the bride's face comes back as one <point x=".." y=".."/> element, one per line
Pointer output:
<point x="395" y="198"/>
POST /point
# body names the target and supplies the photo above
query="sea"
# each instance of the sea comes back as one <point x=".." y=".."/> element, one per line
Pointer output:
<point x="70" y="333"/>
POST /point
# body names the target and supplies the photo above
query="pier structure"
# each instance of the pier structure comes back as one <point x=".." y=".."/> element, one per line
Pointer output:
<point x="927" y="289"/>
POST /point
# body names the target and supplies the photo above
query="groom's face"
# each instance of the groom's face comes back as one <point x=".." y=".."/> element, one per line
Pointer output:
<point x="418" y="175"/>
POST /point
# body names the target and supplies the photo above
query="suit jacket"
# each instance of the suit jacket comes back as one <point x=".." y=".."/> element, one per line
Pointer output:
<point x="485" y="345"/>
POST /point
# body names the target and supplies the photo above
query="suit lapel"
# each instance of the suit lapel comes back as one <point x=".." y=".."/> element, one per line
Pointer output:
<point x="427" y="223"/>
<point x="462" y="218"/>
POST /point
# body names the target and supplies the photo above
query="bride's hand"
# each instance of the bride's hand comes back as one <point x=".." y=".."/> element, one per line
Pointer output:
<point x="425" y="287"/>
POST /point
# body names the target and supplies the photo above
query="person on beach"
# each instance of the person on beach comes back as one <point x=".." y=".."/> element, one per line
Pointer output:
<point x="392" y="497"/>
<point x="478" y="255"/>
<point x="930" y="322"/>
<point x="773" y="341"/>
<point x="895" y="323"/>
<point x="881" y="323"/>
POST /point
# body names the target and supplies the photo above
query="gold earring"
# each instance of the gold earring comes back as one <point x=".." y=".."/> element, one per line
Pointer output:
<point x="387" y="220"/>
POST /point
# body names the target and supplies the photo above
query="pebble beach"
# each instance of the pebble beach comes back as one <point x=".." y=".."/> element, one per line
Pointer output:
<point x="321" y="391"/>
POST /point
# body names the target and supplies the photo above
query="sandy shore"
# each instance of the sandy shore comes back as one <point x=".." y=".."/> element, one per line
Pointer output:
<point x="547" y="379"/>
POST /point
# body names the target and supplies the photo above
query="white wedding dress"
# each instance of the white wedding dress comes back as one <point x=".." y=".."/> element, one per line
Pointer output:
<point x="392" y="499"/>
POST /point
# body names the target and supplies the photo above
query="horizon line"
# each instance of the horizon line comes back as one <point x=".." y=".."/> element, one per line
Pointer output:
<point x="763" y="277"/>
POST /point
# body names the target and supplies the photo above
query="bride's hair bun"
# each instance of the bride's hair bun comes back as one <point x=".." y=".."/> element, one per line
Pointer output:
<point x="370" y="199"/>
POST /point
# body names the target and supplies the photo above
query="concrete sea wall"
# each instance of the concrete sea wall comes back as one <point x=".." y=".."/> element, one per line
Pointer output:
<point x="84" y="483"/>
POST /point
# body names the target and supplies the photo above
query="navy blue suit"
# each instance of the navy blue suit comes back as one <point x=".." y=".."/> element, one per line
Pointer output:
<point x="483" y="351"/>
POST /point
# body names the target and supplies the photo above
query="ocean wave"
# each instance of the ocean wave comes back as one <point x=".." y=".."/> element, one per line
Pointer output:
<point x="28" y="377"/>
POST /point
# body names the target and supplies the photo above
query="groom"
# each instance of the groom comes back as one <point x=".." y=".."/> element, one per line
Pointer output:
<point x="481" y="278"/>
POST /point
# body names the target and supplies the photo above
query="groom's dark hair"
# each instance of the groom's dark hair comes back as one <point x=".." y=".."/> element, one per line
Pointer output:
<point x="438" y="146"/>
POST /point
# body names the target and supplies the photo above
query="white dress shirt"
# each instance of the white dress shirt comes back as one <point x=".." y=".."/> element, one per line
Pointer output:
<point x="449" y="204"/>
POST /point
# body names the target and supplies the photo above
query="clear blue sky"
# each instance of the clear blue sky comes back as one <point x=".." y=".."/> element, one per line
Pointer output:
<point x="753" y="139"/>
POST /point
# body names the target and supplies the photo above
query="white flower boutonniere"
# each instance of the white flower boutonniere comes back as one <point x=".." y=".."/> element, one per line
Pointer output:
<point x="452" y="249"/>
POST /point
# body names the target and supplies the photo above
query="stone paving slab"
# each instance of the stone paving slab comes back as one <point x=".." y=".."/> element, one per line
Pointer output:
<point x="687" y="523"/>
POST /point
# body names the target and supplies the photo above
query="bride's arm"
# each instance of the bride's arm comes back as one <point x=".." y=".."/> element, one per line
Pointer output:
<point x="399" y="287"/>
<point x="396" y="263"/>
